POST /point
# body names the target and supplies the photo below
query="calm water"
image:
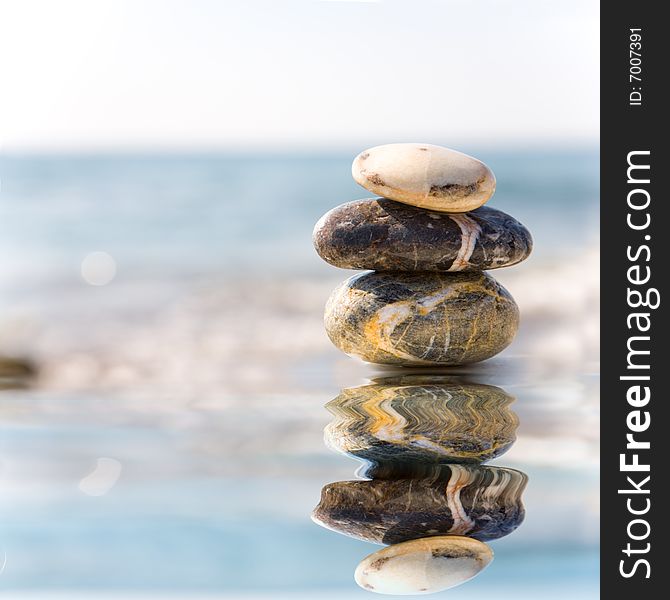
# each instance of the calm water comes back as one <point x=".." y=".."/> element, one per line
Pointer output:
<point x="169" y="216"/>
<point x="172" y="443"/>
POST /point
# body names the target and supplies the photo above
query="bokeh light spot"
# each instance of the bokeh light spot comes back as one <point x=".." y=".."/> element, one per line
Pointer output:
<point x="102" y="479"/>
<point x="98" y="268"/>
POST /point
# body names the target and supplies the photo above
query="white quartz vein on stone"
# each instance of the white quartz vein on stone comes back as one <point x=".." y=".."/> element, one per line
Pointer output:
<point x="470" y="231"/>
<point x="462" y="522"/>
<point x="388" y="318"/>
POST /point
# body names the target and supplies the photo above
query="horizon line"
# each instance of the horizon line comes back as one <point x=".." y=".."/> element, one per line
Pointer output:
<point x="290" y="149"/>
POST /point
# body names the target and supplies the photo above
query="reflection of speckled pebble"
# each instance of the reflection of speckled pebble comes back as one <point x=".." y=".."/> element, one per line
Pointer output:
<point x="384" y="235"/>
<point x="426" y="176"/>
<point x="481" y="502"/>
<point x="399" y="318"/>
<point x="423" y="566"/>
<point x="422" y="418"/>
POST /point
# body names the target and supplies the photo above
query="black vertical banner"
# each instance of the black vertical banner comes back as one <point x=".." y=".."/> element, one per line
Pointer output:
<point x="634" y="269"/>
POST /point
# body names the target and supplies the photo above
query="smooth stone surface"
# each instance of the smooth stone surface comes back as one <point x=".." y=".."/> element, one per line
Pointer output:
<point x="480" y="502"/>
<point x="422" y="418"/>
<point x="426" y="176"/>
<point x="384" y="235"/>
<point x="399" y="318"/>
<point x="423" y="566"/>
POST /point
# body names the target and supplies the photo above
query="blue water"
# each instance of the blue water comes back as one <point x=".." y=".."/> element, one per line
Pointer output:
<point x="192" y="510"/>
<point x="172" y="215"/>
<point x="187" y="517"/>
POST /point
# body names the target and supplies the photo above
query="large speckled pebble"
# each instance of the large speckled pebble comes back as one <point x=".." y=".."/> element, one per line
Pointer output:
<point x="429" y="419"/>
<point x="401" y="318"/>
<point x="383" y="235"/>
<point x="423" y="566"/>
<point x="426" y="176"/>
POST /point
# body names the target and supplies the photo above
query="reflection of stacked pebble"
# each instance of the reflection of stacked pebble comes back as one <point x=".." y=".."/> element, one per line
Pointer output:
<point x="428" y="241"/>
<point x="423" y="438"/>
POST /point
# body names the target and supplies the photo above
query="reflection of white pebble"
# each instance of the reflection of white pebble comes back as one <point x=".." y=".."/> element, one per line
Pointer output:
<point x="102" y="479"/>
<point x="98" y="268"/>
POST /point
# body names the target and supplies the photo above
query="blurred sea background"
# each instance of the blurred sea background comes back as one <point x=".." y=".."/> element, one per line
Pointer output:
<point x="163" y="362"/>
<point x="198" y="376"/>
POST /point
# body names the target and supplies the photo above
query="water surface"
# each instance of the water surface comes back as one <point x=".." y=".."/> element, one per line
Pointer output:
<point x="172" y="441"/>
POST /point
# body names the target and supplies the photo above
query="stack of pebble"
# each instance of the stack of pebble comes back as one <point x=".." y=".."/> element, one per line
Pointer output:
<point x="427" y="241"/>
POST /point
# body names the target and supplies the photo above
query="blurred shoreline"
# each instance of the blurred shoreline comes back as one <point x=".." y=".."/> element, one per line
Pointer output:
<point x="236" y="335"/>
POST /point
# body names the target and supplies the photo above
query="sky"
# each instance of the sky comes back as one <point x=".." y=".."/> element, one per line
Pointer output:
<point x="78" y="75"/>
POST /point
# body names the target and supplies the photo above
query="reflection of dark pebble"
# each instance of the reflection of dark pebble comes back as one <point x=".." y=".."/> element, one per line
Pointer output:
<point x="479" y="502"/>
<point x="383" y="235"/>
<point x="423" y="419"/>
